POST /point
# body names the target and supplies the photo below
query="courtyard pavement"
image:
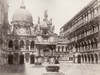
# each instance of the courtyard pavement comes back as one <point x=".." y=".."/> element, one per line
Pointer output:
<point x="67" y="68"/>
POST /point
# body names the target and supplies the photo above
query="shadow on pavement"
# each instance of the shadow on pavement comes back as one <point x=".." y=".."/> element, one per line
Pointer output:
<point x="12" y="68"/>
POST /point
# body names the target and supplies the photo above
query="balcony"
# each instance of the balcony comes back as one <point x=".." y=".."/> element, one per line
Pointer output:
<point x="45" y="42"/>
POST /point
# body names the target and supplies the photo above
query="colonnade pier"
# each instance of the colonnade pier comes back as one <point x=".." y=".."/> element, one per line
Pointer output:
<point x="20" y="58"/>
<point x="90" y="57"/>
<point x="44" y="53"/>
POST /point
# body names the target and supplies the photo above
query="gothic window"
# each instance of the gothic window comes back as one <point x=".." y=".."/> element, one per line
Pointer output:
<point x="22" y="44"/>
<point x="16" y="44"/>
<point x="32" y="44"/>
<point x="10" y="45"/>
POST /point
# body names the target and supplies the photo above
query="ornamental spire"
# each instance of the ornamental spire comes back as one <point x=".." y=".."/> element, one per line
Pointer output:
<point x="45" y="15"/>
<point x="22" y="5"/>
<point x="38" y="20"/>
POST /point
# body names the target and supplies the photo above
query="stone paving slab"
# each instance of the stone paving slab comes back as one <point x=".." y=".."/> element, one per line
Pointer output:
<point x="65" y="68"/>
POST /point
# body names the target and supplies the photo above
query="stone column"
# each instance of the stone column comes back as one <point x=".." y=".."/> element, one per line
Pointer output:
<point x="29" y="48"/>
<point x="99" y="36"/>
<point x="60" y="49"/>
<point x="39" y="54"/>
<point x="74" y="54"/>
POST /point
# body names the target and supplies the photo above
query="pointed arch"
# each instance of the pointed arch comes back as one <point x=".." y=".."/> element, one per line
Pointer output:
<point x="79" y="58"/>
<point x="21" y="44"/>
<point x="96" y="57"/>
<point x="32" y="44"/>
<point x="10" y="44"/>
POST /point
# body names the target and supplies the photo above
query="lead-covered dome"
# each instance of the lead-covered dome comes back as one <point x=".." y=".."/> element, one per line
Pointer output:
<point x="22" y="15"/>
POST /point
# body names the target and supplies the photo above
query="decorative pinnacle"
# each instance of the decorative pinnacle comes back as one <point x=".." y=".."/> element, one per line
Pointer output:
<point x="38" y="20"/>
<point x="46" y="13"/>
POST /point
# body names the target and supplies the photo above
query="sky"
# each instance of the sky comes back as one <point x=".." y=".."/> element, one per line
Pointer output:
<point x="61" y="11"/>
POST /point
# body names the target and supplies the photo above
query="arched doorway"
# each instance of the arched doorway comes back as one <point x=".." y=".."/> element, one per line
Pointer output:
<point x="79" y="59"/>
<point x="32" y="59"/>
<point x="16" y="58"/>
<point x="96" y="58"/>
<point x="27" y="56"/>
<point x="92" y="58"/>
<point x="22" y="58"/>
<point x="10" y="59"/>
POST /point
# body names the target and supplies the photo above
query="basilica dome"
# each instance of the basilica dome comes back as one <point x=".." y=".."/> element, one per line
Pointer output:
<point x="22" y="15"/>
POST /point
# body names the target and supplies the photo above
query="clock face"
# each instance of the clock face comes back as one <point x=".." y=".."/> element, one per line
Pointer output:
<point x="22" y="31"/>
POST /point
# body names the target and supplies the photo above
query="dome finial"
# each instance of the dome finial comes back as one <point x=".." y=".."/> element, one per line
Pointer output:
<point x="22" y="5"/>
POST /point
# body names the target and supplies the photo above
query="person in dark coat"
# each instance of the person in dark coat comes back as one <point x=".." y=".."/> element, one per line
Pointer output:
<point x="32" y="59"/>
<point x="10" y="59"/>
<point x="57" y="60"/>
<point x="21" y="59"/>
